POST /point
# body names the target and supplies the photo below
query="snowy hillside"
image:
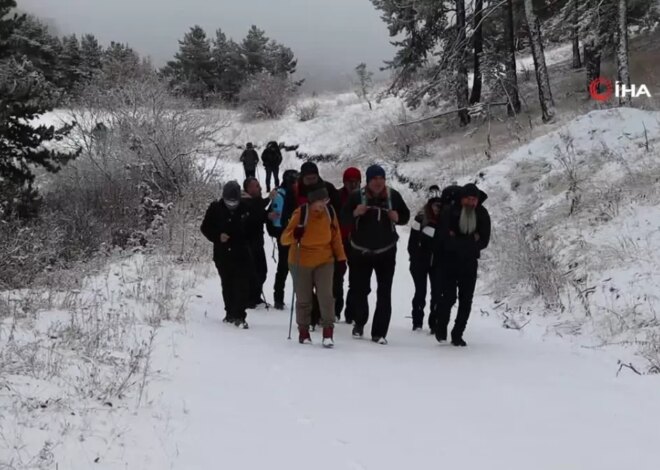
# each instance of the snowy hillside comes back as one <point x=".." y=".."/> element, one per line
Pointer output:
<point x="574" y="253"/>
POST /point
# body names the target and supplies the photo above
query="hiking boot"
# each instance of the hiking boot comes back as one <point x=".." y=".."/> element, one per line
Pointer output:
<point x="328" y="342"/>
<point x="379" y="340"/>
<point x="440" y="333"/>
<point x="279" y="305"/>
<point x="358" y="331"/>
<point x="458" y="341"/>
<point x="241" y="324"/>
<point x="417" y="328"/>
<point x="303" y="335"/>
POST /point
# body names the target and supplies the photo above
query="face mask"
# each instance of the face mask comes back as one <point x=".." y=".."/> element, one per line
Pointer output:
<point x="231" y="205"/>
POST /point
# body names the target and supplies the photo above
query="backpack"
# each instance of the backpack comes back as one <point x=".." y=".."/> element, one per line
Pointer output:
<point x="271" y="228"/>
<point x="328" y="209"/>
<point x="363" y="198"/>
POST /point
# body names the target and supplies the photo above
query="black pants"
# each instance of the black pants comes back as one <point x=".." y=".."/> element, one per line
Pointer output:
<point x="462" y="276"/>
<point x="259" y="272"/>
<point x="422" y="275"/>
<point x="338" y="291"/>
<point x="282" y="272"/>
<point x="235" y="288"/>
<point x="350" y="293"/>
<point x="275" y="172"/>
<point x="250" y="172"/>
<point x="362" y="267"/>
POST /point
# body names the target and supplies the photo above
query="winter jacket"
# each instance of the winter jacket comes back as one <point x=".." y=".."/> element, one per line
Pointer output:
<point x="421" y="242"/>
<point x="271" y="157"/>
<point x="374" y="232"/>
<point x="451" y="244"/>
<point x="257" y="208"/>
<point x="250" y="159"/>
<point x="321" y="242"/>
<point x="344" y="194"/>
<point x="239" y="224"/>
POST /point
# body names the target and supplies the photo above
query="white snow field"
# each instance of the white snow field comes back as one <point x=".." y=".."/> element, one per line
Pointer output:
<point x="223" y="398"/>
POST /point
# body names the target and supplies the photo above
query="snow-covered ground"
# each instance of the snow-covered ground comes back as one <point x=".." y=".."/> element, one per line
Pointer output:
<point x="219" y="397"/>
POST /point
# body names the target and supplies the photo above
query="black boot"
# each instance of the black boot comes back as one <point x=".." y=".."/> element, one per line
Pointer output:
<point x="440" y="332"/>
<point x="358" y="331"/>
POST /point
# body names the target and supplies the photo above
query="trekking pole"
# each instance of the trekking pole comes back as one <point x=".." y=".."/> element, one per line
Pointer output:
<point x="293" y="278"/>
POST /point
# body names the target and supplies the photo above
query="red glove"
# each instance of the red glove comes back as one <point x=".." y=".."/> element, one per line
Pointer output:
<point x="341" y="267"/>
<point x="298" y="233"/>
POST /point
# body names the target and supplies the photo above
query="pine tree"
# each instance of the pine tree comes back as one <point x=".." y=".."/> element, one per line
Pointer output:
<point x="475" y="96"/>
<point x="461" y="68"/>
<point x="120" y="64"/>
<point x="575" y="33"/>
<point x="31" y="38"/>
<point x="71" y="62"/>
<point x="91" y="54"/>
<point x="228" y="74"/>
<point x="255" y="51"/>
<point x="24" y="95"/>
<point x="281" y="59"/>
<point x="623" y="67"/>
<point x="510" y="70"/>
<point x="192" y="70"/>
<point x="542" y="76"/>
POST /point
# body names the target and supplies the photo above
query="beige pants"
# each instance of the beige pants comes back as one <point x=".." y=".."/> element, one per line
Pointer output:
<point x="304" y="281"/>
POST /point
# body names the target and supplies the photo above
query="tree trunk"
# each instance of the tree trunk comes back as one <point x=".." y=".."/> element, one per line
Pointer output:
<point x="575" y="37"/>
<point x="475" y="96"/>
<point x="511" y="77"/>
<point x="591" y="61"/>
<point x="542" y="77"/>
<point x="461" y="68"/>
<point x="622" y="50"/>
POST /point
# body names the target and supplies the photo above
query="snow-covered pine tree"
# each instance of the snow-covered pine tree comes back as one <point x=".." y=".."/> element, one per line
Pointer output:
<point x="228" y="74"/>
<point x="24" y="95"/>
<point x="281" y="59"/>
<point x="71" y="62"/>
<point x="254" y="49"/>
<point x="91" y="54"/>
<point x="575" y="32"/>
<point x="31" y="38"/>
<point x="364" y="83"/>
<point x="461" y="67"/>
<point x="192" y="66"/>
<point x="542" y="76"/>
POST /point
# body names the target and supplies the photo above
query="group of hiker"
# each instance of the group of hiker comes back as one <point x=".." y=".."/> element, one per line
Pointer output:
<point x="324" y="233"/>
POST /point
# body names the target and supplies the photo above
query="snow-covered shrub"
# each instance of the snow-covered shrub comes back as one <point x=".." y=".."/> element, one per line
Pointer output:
<point x="266" y="96"/>
<point x="308" y="111"/>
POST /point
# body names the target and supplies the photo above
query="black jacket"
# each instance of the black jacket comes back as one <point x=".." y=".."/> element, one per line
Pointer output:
<point x="451" y="244"/>
<point x="374" y="231"/>
<point x="250" y="159"/>
<point x="241" y="226"/>
<point x="421" y="246"/>
<point x="271" y="156"/>
<point x="258" y="215"/>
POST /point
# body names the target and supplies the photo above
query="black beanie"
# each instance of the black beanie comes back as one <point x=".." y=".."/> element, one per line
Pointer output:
<point x="231" y="191"/>
<point x="470" y="190"/>
<point x="309" y="168"/>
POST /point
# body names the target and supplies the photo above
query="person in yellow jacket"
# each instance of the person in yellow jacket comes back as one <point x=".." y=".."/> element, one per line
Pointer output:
<point x="315" y="239"/>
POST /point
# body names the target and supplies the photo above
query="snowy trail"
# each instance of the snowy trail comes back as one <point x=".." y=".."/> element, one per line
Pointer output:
<point x="251" y="399"/>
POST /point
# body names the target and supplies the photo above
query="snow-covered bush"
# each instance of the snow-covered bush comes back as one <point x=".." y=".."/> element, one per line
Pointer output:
<point x="307" y="111"/>
<point x="266" y="96"/>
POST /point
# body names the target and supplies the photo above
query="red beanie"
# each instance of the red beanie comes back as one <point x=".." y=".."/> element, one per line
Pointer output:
<point x="352" y="173"/>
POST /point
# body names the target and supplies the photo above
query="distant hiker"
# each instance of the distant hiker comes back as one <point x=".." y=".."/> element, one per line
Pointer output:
<point x="352" y="181"/>
<point x="422" y="262"/>
<point x="250" y="160"/>
<point x="279" y="214"/>
<point x="229" y="225"/>
<point x="257" y="206"/>
<point x="309" y="179"/>
<point x="271" y="157"/>
<point x="315" y="239"/>
<point x="373" y="213"/>
<point x="464" y="231"/>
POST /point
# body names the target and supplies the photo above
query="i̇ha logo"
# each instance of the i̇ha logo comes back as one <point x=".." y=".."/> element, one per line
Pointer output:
<point x="601" y="89"/>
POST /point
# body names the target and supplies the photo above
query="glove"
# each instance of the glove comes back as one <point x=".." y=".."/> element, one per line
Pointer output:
<point x="298" y="233"/>
<point x="341" y="267"/>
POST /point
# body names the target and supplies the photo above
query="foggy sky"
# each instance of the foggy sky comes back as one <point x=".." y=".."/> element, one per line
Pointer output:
<point x="329" y="37"/>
